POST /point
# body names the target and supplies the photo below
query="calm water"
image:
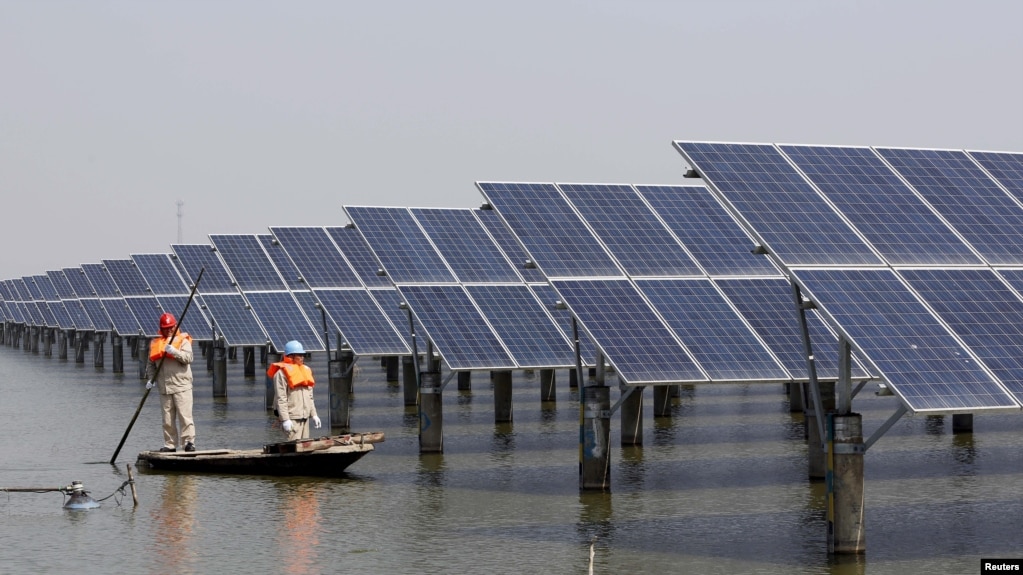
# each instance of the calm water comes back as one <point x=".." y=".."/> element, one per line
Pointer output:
<point x="719" y="487"/>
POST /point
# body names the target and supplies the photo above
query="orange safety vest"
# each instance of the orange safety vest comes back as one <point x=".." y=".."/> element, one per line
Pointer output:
<point x="296" y="375"/>
<point x="159" y="344"/>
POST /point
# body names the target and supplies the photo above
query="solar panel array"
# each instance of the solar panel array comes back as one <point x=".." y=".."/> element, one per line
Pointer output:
<point x="659" y="315"/>
<point x="908" y="252"/>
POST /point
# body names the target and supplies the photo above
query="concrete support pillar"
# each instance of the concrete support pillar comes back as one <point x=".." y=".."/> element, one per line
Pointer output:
<point x="98" y="351"/>
<point x="209" y="356"/>
<point x="502" y="396"/>
<point x="464" y="381"/>
<point x="548" y="389"/>
<point x="35" y="335"/>
<point x="142" y="349"/>
<point x="846" y="529"/>
<point x="220" y="354"/>
<point x="262" y="356"/>
<point x="795" y="391"/>
<point x="269" y="395"/>
<point x="595" y="435"/>
<point x="249" y="357"/>
<point x="431" y="413"/>
<point x="409" y="385"/>
<point x="81" y="345"/>
<point x="962" y="423"/>
<point x="117" y="353"/>
<point x="815" y="443"/>
<point x="573" y="379"/>
<point x="392" y="368"/>
<point x="61" y="344"/>
<point x="632" y="416"/>
<point x="662" y="401"/>
<point x="232" y="353"/>
<point x="340" y="392"/>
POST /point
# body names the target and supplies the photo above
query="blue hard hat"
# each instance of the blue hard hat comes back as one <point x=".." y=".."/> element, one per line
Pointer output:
<point x="293" y="347"/>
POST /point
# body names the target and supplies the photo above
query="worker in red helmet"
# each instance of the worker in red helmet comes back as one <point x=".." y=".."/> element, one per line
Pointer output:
<point x="174" y="382"/>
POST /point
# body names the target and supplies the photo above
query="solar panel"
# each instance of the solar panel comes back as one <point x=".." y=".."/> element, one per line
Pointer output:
<point x="196" y="257"/>
<point x="465" y="245"/>
<point x="60" y="313"/>
<point x="788" y="214"/>
<point x="710" y="233"/>
<point x="366" y="327"/>
<point x="359" y="255"/>
<point x="61" y="285"/>
<point x="983" y="311"/>
<point x="247" y="262"/>
<point x="121" y="317"/>
<point x="390" y="301"/>
<point x="283" y="320"/>
<point x="161" y="275"/>
<point x="549" y="230"/>
<point x="100" y="280"/>
<point x="97" y="314"/>
<point x="547" y="297"/>
<point x="630" y="231"/>
<point x="926" y="365"/>
<point x="126" y="277"/>
<point x="455" y="326"/>
<point x="633" y="338"/>
<point x="884" y="209"/>
<point x="722" y="344"/>
<point x="989" y="219"/>
<point x="509" y="245"/>
<point x="32" y="290"/>
<point x="45" y="287"/>
<point x="234" y="319"/>
<point x="194" y="322"/>
<point x="147" y="311"/>
<point x="530" y="334"/>
<point x="316" y="257"/>
<point x="76" y="277"/>
<point x="1005" y="167"/>
<point x="400" y="245"/>
<point x="15" y="311"/>
<point x="284" y="266"/>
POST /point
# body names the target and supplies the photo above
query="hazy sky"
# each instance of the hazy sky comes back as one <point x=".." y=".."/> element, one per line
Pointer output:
<point x="278" y="113"/>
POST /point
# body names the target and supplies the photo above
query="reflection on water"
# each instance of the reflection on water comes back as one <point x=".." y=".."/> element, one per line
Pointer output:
<point x="299" y="521"/>
<point x="173" y="519"/>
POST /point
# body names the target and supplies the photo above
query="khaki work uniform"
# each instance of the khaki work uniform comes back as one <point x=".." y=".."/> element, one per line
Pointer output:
<point x="174" y="382"/>
<point x="294" y="403"/>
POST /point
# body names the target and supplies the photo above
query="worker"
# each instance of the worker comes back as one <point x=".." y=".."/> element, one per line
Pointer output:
<point x="293" y="392"/>
<point x="170" y="371"/>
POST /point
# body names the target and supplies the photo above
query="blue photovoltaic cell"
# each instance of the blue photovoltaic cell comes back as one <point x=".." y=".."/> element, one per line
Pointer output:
<point x="98" y="316"/>
<point x="960" y="191"/>
<point x="161" y="275"/>
<point x="316" y="257"/>
<point x="768" y="305"/>
<point x="283" y="320"/>
<point x="18" y="312"/>
<point x="921" y="360"/>
<point x="60" y="313"/>
<point x="554" y="235"/>
<point x="530" y="334"/>
<point x="45" y="313"/>
<point x="45" y="286"/>
<point x="121" y="316"/>
<point x="100" y="280"/>
<point x="76" y="277"/>
<point x="247" y="262"/>
<point x="234" y="319"/>
<point x="390" y="300"/>
<point x="455" y="326"/>
<point x="194" y="321"/>
<point x="79" y="316"/>
<point x="127" y="277"/>
<point x="147" y="311"/>
<point x="632" y="337"/>
<point x="509" y="245"/>
<point x="710" y="233"/>
<point x="631" y="232"/>
<point x="281" y="262"/>
<point x="711" y="330"/>
<point x="983" y="312"/>
<point x="34" y="291"/>
<point x="196" y="257"/>
<point x="563" y="317"/>
<point x="900" y="226"/>
<point x="465" y="245"/>
<point x="1006" y="167"/>
<point x="60" y="283"/>
<point x="363" y="324"/>
<point x="400" y="245"/>
<point x="794" y="221"/>
<point x="359" y="256"/>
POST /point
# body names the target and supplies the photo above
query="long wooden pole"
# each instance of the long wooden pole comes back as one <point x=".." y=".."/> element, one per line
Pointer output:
<point x="181" y="320"/>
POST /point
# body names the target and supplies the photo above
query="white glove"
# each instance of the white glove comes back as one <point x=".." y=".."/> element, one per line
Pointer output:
<point x="287" y="425"/>
<point x="316" y="421"/>
<point x="171" y="351"/>
<point x="150" y="384"/>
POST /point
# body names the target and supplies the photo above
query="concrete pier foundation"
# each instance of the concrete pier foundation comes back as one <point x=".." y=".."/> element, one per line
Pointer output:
<point x="431" y="413"/>
<point x="962" y="423"/>
<point x="846" y="530"/>
<point x="339" y="396"/>
<point x="595" y="435"/>
<point x="409" y="385"/>
<point x="116" y="353"/>
<point x="98" y="350"/>
<point x="502" y="396"/>
<point x="795" y="393"/>
<point x="662" y="401"/>
<point x="548" y="390"/>
<point x="220" y="354"/>
<point x="61" y="344"/>
<point x="464" y="381"/>
<point x="391" y="363"/>
<point x="632" y="417"/>
<point x="142" y="355"/>
<point x="249" y="357"/>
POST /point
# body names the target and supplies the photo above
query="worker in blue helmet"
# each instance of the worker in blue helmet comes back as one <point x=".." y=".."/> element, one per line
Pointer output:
<point x="293" y="392"/>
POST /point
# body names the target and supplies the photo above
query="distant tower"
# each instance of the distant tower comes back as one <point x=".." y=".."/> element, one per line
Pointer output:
<point x="180" y="240"/>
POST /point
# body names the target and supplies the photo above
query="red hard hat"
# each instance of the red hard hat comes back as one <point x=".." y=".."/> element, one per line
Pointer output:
<point x="167" y="320"/>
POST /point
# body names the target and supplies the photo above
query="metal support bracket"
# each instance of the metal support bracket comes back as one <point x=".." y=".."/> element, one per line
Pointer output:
<point x="626" y="390"/>
<point x="885" y="426"/>
<point x="447" y="380"/>
<point x="848" y="448"/>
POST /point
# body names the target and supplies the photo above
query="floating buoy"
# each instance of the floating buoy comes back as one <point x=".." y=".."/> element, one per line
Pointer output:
<point x="79" y="497"/>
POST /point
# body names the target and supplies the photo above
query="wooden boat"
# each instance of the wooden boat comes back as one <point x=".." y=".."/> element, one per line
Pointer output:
<point x="324" y="456"/>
